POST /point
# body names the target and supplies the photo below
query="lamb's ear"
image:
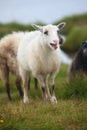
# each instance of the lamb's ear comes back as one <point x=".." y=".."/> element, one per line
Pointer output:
<point x="37" y="27"/>
<point x="61" y="25"/>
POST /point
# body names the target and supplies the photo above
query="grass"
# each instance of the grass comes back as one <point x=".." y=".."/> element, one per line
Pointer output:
<point x="74" y="39"/>
<point x="73" y="20"/>
<point x="15" y="27"/>
<point x="70" y="113"/>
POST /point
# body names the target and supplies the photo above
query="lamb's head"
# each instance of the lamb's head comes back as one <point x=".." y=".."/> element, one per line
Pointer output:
<point x="51" y="34"/>
<point x="84" y="48"/>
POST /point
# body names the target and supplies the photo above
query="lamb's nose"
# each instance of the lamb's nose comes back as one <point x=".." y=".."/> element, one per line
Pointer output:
<point x="55" y="41"/>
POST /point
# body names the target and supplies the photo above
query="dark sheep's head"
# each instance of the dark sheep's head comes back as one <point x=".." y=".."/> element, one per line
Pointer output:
<point x="84" y="48"/>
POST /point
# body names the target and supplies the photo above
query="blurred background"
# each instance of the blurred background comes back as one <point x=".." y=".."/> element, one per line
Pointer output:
<point x="17" y="15"/>
<point x="47" y="11"/>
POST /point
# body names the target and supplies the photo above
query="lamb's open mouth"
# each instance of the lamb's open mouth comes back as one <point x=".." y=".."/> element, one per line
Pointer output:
<point x="55" y="46"/>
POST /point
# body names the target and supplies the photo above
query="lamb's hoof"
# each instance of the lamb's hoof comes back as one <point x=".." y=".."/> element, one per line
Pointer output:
<point x="53" y="99"/>
<point x="26" y="100"/>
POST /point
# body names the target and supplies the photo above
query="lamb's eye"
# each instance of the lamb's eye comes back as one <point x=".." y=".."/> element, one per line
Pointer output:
<point x="46" y="32"/>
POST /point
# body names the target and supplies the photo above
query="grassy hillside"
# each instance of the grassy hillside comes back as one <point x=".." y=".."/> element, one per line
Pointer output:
<point x="70" y="113"/>
<point x="13" y="26"/>
<point x="74" y="20"/>
<point x="73" y="41"/>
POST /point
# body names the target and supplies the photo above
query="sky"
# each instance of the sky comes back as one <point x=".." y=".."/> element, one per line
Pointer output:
<point x="47" y="11"/>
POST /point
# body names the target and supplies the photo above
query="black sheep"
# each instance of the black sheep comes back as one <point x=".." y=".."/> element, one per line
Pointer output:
<point x="79" y="63"/>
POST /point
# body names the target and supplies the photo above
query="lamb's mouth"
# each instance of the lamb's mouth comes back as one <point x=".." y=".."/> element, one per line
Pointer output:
<point x="55" y="46"/>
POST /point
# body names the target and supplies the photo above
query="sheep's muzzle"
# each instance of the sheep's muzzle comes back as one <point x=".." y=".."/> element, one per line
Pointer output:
<point x="55" y="46"/>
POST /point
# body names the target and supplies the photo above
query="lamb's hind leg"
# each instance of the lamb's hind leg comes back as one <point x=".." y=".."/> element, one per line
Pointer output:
<point x="18" y="85"/>
<point x="35" y="83"/>
<point x="5" y="77"/>
<point x="8" y="89"/>
<point x="52" y="89"/>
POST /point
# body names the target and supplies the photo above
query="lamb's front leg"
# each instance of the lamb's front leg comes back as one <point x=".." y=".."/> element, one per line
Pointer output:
<point x="25" y="78"/>
<point x="44" y="86"/>
<point x="25" y="84"/>
<point x="52" y="89"/>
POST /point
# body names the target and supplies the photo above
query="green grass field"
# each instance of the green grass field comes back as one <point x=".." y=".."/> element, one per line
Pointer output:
<point x="70" y="113"/>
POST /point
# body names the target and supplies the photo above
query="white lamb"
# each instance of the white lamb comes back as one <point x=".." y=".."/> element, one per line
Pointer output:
<point x="39" y="54"/>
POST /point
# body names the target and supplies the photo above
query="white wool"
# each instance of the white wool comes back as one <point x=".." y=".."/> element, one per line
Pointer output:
<point x="15" y="35"/>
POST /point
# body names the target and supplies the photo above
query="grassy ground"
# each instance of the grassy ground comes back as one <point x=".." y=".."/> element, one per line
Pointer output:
<point x="70" y="113"/>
